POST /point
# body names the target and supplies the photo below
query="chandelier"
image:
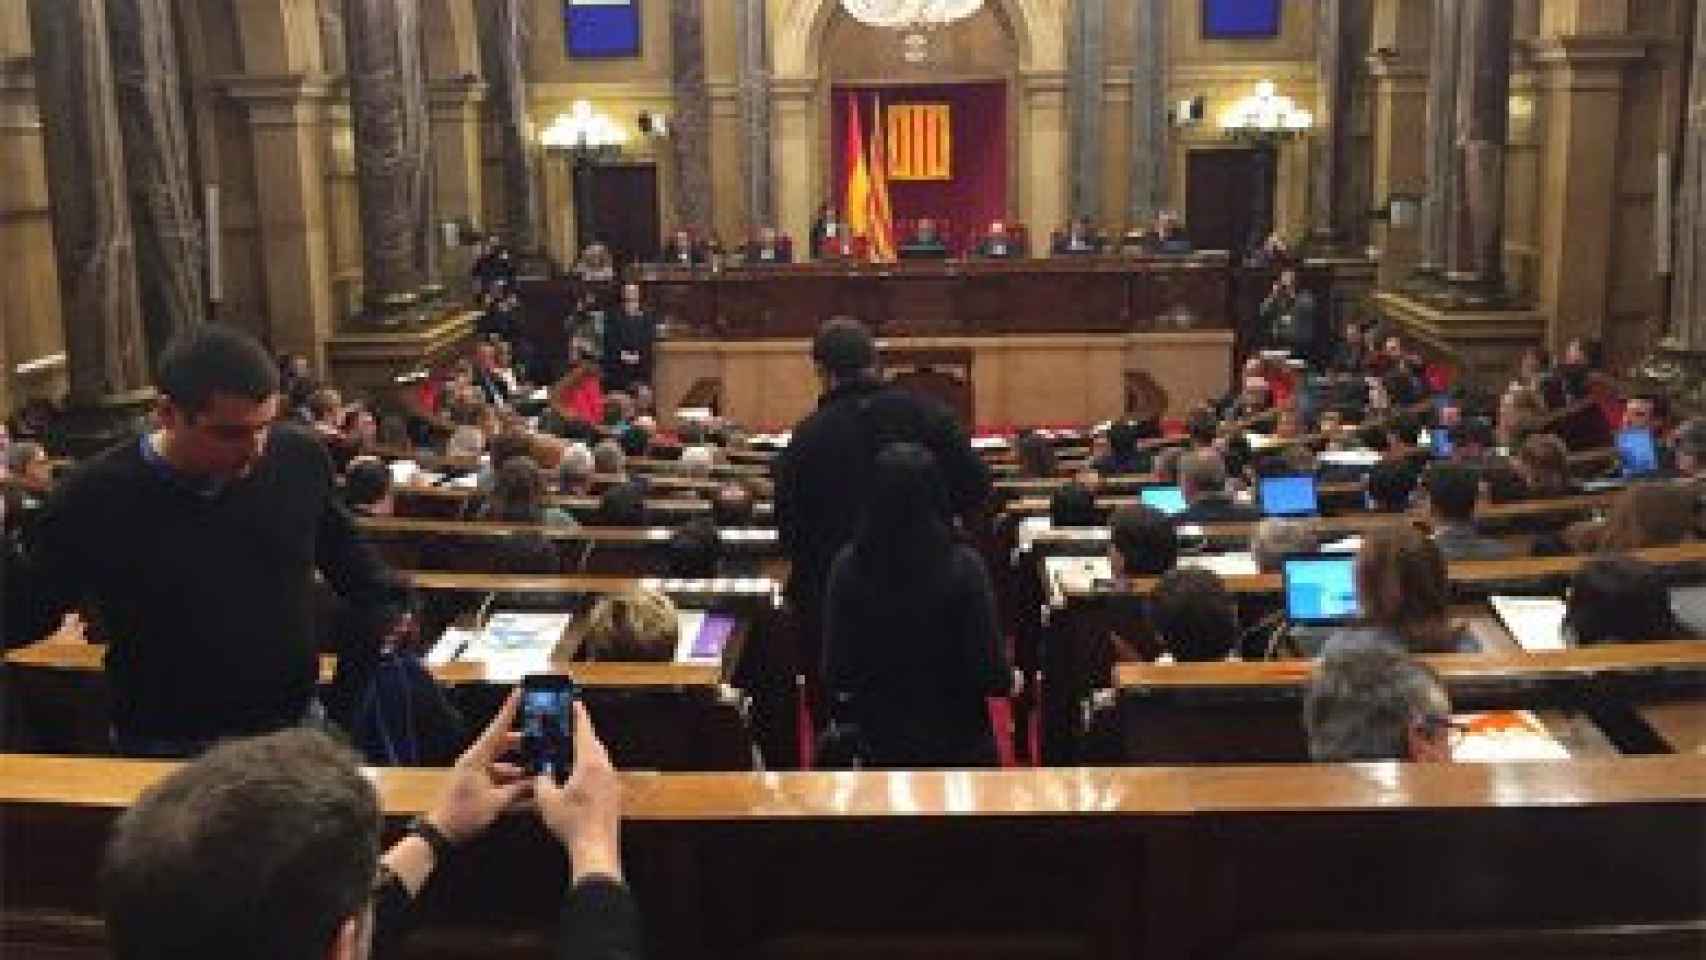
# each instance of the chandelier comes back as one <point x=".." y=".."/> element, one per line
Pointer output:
<point x="910" y="14"/>
<point x="1266" y="114"/>
<point x="584" y="131"/>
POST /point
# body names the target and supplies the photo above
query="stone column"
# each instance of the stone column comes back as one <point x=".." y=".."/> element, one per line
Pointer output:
<point x="691" y="132"/>
<point x="752" y="32"/>
<point x="1688" y="289"/>
<point x="1149" y="143"/>
<point x="290" y="208"/>
<point x="1475" y="247"/>
<point x="1044" y="193"/>
<point x="418" y="136"/>
<point x="384" y="60"/>
<point x="798" y="187"/>
<point x="1582" y="77"/>
<point x="455" y="128"/>
<point x="1327" y="146"/>
<point x="1088" y="64"/>
<point x="502" y="50"/>
<point x="171" y="262"/>
<point x="1441" y="137"/>
<point x="84" y="151"/>
<point x="1399" y="75"/>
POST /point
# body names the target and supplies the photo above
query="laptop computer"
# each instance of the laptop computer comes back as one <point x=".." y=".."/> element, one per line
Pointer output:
<point x="1168" y="500"/>
<point x="1288" y="496"/>
<point x="1320" y="595"/>
<point x="1636" y="449"/>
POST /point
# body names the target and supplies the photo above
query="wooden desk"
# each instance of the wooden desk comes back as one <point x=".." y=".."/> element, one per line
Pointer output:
<point x="1357" y="861"/>
<point x="471" y="545"/>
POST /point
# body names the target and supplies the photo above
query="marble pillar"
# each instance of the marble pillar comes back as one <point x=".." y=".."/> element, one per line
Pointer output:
<point x="171" y="261"/>
<point x="1441" y="137"/>
<point x="388" y="159"/>
<point x="691" y="131"/>
<point x="1088" y="64"/>
<point x="1327" y="152"/>
<point x="502" y="49"/>
<point x="1688" y="252"/>
<point x="1148" y="164"/>
<point x="1475" y="246"/>
<point x="754" y="77"/>
<point x="418" y="136"/>
<point x="455" y="128"/>
<point x="93" y="243"/>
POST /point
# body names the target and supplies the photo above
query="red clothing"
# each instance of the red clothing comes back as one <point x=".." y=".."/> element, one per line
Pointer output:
<point x="581" y="397"/>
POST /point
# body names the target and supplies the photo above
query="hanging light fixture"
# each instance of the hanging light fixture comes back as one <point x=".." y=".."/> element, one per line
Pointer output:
<point x="913" y="15"/>
<point x="1265" y="115"/>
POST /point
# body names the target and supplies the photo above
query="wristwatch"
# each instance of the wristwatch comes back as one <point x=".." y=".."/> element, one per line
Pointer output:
<point x="434" y="837"/>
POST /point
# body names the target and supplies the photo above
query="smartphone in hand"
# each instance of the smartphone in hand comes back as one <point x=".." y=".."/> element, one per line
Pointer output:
<point x="547" y="723"/>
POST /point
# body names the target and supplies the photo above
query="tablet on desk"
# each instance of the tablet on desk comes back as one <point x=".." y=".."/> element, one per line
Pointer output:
<point x="1168" y="500"/>
<point x="1289" y="496"/>
<point x="703" y="636"/>
<point x="1321" y="589"/>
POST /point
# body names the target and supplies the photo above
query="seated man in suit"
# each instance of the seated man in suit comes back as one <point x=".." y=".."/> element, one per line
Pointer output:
<point x="1287" y="317"/>
<point x="770" y="247"/>
<point x="1376" y="703"/>
<point x="1170" y="236"/>
<point x="682" y="251"/>
<point x="998" y="244"/>
<point x="1202" y="480"/>
<point x="1452" y="491"/>
<point x="1079" y="240"/>
<point x="925" y="243"/>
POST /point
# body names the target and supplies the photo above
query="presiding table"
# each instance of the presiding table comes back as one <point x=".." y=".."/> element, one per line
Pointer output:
<point x="1004" y="342"/>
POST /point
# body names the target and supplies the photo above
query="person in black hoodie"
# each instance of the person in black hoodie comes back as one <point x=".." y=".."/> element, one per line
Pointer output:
<point x="912" y="649"/>
<point x="824" y="477"/>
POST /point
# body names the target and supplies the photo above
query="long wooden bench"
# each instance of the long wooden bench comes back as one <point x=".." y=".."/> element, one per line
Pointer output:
<point x="1252" y="712"/>
<point x="58" y="700"/>
<point x="470" y="545"/>
<point x="1470" y="862"/>
<point x="451" y="503"/>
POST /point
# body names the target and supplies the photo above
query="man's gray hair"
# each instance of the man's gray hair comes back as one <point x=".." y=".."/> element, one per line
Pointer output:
<point x="23" y="453"/>
<point x="577" y="464"/>
<point x="1203" y="471"/>
<point x="608" y="458"/>
<point x="1362" y="703"/>
<point x="1274" y="538"/>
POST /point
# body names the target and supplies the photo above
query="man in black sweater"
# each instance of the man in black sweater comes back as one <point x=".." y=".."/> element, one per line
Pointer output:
<point x="630" y="342"/>
<point x="823" y="477"/>
<point x="193" y="550"/>
<point x="274" y="841"/>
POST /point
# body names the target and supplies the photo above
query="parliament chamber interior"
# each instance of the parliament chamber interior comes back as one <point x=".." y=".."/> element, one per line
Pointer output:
<point x="853" y="478"/>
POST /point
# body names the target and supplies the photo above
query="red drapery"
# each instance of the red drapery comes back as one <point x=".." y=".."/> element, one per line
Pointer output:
<point x="977" y="194"/>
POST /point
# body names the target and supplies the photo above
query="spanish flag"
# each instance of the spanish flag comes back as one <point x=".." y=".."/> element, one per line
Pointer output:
<point x="881" y="212"/>
<point x="856" y="211"/>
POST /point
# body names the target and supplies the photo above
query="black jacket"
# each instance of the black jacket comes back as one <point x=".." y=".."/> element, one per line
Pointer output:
<point x="823" y="475"/>
<point x="599" y="921"/>
<point x="628" y="333"/>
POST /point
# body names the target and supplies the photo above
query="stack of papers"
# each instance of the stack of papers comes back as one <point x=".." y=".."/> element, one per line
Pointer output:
<point x="1223" y="564"/>
<point x="1506" y="735"/>
<point x="1537" y="623"/>
<point x="1351" y="458"/>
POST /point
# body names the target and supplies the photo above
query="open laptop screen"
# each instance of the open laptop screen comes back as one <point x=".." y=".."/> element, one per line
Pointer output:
<point x="1635" y="448"/>
<point x="1321" y="589"/>
<point x="1289" y="497"/>
<point x="1168" y="500"/>
<point x="703" y="636"/>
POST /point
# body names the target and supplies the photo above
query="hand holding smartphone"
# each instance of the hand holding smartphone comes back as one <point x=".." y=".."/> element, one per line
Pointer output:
<point x="547" y="724"/>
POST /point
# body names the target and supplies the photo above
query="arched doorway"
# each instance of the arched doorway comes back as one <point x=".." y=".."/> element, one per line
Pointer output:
<point x="1037" y="129"/>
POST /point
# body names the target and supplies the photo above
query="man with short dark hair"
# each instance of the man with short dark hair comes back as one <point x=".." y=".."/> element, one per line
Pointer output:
<point x="1388" y="487"/>
<point x="269" y="847"/>
<point x="1143" y="542"/>
<point x="622" y="505"/>
<point x="825" y="474"/>
<point x="1376" y="703"/>
<point x="1194" y="615"/>
<point x="1202" y="480"/>
<point x="732" y="506"/>
<point x="1124" y="457"/>
<point x="195" y="548"/>
<point x="367" y="488"/>
<point x="1453" y="490"/>
<point x="695" y="551"/>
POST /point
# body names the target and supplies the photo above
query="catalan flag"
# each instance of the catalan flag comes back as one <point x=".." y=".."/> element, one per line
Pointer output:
<point x="881" y="214"/>
<point x="856" y="209"/>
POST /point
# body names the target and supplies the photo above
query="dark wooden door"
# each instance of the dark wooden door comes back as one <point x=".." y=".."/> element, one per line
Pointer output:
<point x="1229" y="197"/>
<point x="618" y="204"/>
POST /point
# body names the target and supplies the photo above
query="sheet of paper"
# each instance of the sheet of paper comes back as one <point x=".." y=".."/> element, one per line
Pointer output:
<point x="450" y="643"/>
<point x="1223" y="564"/>
<point x="1537" y="623"/>
<point x="1506" y="735"/>
<point x="403" y="472"/>
<point x="1351" y="458"/>
<point x="1074" y="573"/>
<point x="989" y="443"/>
